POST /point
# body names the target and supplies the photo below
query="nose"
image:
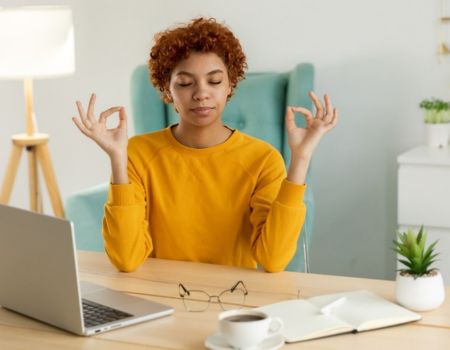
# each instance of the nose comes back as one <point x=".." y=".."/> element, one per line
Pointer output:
<point x="201" y="92"/>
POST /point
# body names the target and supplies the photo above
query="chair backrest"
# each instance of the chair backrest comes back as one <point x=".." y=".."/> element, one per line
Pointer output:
<point x="257" y="108"/>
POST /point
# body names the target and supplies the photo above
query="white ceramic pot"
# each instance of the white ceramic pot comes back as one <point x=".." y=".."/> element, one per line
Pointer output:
<point x="420" y="294"/>
<point x="437" y="134"/>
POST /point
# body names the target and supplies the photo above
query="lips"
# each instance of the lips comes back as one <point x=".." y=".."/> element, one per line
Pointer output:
<point x="202" y="110"/>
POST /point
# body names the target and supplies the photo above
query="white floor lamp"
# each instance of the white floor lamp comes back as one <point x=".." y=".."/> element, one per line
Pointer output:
<point x="35" y="42"/>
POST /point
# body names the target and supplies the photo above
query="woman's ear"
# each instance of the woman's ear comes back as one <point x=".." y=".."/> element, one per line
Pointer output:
<point x="166" y="93"/>
<point x="168" y="96"/>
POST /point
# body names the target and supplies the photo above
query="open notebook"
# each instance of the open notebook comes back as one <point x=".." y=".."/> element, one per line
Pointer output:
<point x="331" y="314"/>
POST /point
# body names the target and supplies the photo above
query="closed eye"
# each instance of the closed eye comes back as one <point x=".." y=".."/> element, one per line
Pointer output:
<point x="188" y="84"/>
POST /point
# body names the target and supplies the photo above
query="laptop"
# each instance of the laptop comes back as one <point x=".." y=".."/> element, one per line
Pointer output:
<point x="39" y="278"/>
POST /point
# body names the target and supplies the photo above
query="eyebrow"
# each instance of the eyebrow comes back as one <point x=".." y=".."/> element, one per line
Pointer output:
<point x="190" y="74"/>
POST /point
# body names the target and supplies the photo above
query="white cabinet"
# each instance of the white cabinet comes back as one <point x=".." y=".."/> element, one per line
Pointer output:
<point x="424" y="197"/>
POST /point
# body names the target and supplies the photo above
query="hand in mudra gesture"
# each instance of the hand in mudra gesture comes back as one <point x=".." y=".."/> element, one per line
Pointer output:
<point x="303" y="141"/>
<point x="112" y="141"/>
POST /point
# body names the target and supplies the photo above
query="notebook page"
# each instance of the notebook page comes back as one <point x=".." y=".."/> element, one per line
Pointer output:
<point x="364" y="310"/>
<point x="303" y="321"/>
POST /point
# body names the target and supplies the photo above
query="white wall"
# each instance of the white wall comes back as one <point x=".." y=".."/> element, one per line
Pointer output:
<point x="377" y="60"/>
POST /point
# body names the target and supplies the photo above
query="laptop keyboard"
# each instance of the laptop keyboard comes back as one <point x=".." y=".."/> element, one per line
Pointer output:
<point x="96" y="314"/>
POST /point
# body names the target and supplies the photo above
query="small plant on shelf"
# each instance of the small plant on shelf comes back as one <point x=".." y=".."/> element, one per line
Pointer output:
<point x="436" y="111"/>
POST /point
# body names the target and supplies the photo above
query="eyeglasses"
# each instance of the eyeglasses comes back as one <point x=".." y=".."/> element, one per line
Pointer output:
<point x="198" y="300"/>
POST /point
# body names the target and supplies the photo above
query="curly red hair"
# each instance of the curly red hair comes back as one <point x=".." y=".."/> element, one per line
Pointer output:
<point x="199" y="35"/>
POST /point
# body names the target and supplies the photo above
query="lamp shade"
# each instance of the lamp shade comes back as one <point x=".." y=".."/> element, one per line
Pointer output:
<point x="36" y="42"/>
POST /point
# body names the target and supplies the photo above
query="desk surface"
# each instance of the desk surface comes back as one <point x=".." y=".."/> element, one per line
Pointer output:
<point x="158" y="280"/>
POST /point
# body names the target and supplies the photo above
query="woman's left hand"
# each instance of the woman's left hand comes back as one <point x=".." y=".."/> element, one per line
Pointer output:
<point x="303" y="141"/>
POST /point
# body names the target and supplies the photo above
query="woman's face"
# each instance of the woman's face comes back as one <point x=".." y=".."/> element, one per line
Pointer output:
<point x="199" y="87"/>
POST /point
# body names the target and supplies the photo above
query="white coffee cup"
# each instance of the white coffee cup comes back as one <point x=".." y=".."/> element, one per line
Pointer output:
<point x="246" y="328"/>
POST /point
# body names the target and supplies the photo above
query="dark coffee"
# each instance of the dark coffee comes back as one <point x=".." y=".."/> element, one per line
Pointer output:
<point x="244" y="318"/>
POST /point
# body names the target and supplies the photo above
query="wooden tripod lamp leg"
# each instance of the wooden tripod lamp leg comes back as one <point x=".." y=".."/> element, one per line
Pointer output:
<point x="43" y="157"/>
<point x="11" y="170"/>
<point x="33" y="179"/>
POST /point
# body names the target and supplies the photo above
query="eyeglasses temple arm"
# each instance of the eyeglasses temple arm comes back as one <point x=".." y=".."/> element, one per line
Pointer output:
<point x="185" y="291"/>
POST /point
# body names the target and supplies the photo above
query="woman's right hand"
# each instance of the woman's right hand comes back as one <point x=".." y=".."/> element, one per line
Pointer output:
<point x="113" y="141"/>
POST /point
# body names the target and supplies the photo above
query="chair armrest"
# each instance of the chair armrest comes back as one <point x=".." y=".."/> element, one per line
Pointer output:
<point x="85" y="209"/>
<point x="299" y="262"/>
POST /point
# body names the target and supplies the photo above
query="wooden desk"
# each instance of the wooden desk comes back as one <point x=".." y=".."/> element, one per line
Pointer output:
<point x="158" y="280"/>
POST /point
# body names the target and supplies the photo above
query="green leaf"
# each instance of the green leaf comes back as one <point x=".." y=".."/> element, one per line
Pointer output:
<point x="405" y="262"/>
<point x="430" y="257"/>
<point x="415" y="250"/>
<point x="411" y="248"/>
<point x="403" y="238"/>
<point x="430" y="251"/>
<point x="421" y="238"/>
<point x="430" y="248"/>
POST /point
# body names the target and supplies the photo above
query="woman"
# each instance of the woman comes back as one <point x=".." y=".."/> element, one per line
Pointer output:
<point x="199" y="190"/>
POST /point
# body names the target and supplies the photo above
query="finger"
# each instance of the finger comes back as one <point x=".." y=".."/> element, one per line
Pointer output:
<point x="329" y="112"/>
<point x="334" y="120"/>
<point x="90" y="112"/>
<point x="306" y="113"/>
<point x="317" y="104"/>
<point x="82" y="114"/>
<point x="80" y="109"/>
<point x="81" y="126"/>
<point x="290" y="119"/>
<point x="122" y="118"/>
<point x="327" y="100"/>
<point x="107" y="113"/>
<point x="328" y="109"/>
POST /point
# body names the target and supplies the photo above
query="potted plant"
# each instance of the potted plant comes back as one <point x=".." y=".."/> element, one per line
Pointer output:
<point x="437" y="120"/>
<point x="419" y="286"/>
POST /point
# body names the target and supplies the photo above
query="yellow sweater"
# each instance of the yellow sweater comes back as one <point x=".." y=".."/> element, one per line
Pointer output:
<point x="228" y="204"/>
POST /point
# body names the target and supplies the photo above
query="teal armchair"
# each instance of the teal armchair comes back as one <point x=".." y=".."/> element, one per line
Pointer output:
<point x="257" y="108"/>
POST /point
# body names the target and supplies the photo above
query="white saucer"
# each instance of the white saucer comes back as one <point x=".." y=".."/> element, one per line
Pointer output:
<point x="217" y="342"/>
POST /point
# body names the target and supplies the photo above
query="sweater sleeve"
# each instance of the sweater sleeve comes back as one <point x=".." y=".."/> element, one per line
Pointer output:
<point x="126" y="230"/>
<point x="277" y="216"/>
